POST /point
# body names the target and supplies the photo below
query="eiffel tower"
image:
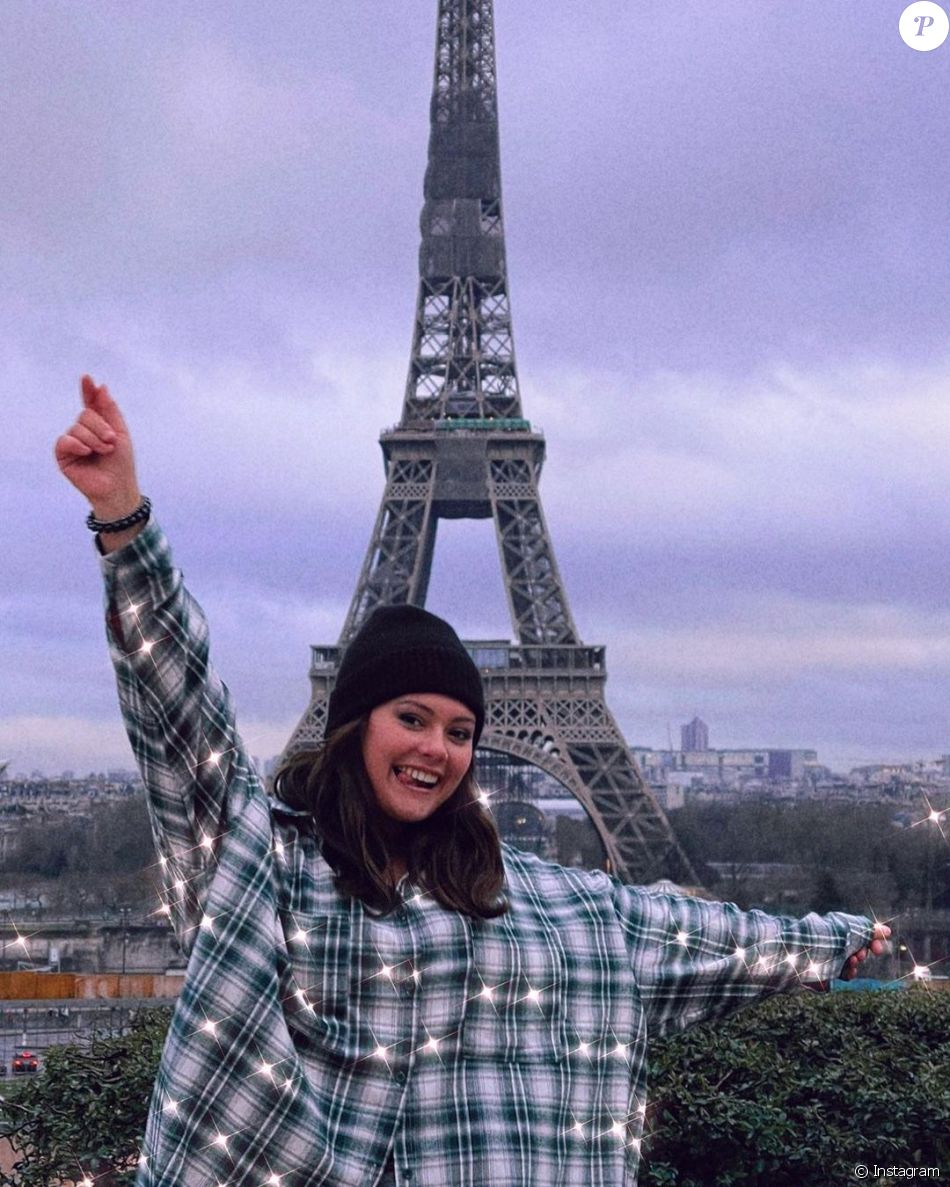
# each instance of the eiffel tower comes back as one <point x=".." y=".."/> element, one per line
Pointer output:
<point x="463" y="450"/>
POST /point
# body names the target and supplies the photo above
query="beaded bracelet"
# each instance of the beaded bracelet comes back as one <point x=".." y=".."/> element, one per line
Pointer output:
<point x="139" y="515"/>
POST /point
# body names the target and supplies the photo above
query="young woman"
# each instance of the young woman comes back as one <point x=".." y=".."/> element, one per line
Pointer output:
<point x="378" y="991"/>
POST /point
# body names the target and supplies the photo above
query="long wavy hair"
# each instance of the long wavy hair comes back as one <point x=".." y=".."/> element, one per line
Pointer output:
<point x="455" y="854"/>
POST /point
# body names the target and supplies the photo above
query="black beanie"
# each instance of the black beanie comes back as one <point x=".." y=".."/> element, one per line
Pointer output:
<point x="398" y="650"/>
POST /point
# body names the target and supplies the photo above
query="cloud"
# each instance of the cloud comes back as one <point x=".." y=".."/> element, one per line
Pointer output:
<point x="272" y="446"/>
<point x="49" y="743"/>
<point x="859" y="682"/>
<point x="87" y="745"/>
<point x="787" y="457"/>
<point x="779" y="639"/>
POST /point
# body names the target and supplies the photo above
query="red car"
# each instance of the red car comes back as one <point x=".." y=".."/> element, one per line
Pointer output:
<point x="25" y="1063"/>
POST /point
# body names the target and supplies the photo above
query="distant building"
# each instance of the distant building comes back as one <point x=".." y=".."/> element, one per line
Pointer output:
<point x="676" y="776"/>
<point x="695" y="735"/>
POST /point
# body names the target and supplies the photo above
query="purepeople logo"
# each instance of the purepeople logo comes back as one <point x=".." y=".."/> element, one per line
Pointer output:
<point x="924" y="25"/>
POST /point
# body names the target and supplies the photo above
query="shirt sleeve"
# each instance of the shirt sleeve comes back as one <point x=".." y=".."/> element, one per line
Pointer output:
<point x="694" y="960"/>
<point x="178" y="717"/>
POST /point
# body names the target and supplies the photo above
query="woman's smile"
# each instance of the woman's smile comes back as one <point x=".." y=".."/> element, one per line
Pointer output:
<point x="417" y="778"/>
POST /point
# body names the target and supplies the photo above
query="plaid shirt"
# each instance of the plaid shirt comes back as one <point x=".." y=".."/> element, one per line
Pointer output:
<point x="313" y="1041"/>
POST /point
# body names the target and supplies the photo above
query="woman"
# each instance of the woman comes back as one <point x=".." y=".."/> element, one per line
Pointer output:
<point x="378" y="991"/>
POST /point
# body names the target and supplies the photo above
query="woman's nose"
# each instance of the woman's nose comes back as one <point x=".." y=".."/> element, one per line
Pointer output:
<point x="432" y="744"/>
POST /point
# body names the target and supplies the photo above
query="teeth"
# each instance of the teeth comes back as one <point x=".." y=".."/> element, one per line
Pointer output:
<point x="420" y="776"/>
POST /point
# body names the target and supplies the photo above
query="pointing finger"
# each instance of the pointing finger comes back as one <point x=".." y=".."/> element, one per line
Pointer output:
<point x="90" y="390"/>
<point x="96" y="398"/>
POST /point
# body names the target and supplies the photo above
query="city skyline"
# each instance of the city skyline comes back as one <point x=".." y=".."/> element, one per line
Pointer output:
<point x="727" y="249"/>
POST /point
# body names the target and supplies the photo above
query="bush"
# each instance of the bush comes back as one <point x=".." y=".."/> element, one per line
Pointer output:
<point x="798" y="1091"/>
<point x="85" y="1113"/>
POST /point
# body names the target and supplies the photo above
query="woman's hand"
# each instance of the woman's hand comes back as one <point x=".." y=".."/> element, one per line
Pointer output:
<point x="95" y="454"/>
<point x="877" y="945"/>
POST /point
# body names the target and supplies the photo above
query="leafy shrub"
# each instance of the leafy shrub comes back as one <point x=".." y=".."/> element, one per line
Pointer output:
<point x="85" y="1113"/>
<point x="798" y="1091"/>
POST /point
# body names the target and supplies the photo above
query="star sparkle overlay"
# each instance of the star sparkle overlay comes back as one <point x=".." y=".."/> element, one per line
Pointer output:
<point x="629" y="1130"/>
<point x="213" y="756"/>
<point x="180" y="881"/>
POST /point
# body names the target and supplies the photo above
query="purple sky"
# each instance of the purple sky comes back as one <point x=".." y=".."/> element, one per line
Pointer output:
<point x="728" y="257"/>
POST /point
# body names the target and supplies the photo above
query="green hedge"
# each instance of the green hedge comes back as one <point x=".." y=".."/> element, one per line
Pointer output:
<point x="797" y="1092"/>
<point x="793" y="1093"/>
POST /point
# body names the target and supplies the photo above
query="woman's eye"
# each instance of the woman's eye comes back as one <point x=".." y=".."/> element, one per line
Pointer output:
<point x="461" y="736"/>
<point x="408" y="718"/>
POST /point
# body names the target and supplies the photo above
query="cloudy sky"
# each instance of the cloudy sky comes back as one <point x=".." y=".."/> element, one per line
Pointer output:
<point x="728" y="256"/>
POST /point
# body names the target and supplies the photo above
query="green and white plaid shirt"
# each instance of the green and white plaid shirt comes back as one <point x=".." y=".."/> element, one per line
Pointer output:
<point x="312" y="1041"/>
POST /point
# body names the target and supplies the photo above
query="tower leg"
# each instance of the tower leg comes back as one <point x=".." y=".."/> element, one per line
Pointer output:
<point x="399" y="559"/>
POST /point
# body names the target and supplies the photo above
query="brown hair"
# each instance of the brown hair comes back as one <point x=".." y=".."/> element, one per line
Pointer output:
<point x="455" y="854"/>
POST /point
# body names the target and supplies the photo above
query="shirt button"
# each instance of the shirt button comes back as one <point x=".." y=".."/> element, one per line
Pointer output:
<point x="402" y="913"/>
<point x="400" y="1077"/>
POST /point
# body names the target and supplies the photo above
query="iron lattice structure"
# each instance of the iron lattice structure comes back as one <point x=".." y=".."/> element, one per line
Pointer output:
<point x="463" y="450"/>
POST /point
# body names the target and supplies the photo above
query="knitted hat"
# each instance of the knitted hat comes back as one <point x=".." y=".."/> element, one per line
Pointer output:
<point x="404" y="649"/>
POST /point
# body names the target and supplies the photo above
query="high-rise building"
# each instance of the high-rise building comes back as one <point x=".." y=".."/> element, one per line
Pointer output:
<point x="694" y="735"/>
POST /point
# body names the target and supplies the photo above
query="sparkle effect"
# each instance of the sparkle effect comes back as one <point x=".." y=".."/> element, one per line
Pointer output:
<point x="393" y="972"/>
<point x="212" y="763"/>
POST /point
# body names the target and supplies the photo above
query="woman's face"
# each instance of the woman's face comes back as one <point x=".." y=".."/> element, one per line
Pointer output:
<point x="416" y="750"/>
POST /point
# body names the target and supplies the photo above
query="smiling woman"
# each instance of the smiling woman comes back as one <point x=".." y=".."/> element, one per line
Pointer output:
<point x="392" y="791"/>
<point x="379" y="991"/>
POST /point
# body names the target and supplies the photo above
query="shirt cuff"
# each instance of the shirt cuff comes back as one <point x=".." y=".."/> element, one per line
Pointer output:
<point x="855" y="932"/>
<point x="143" y="567"/>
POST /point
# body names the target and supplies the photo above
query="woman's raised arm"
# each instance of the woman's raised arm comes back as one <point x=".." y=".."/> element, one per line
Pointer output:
<point x="177" y="712"/>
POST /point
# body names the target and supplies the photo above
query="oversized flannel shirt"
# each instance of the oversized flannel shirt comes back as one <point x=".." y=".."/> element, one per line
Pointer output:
<point x="313" y="1042"/>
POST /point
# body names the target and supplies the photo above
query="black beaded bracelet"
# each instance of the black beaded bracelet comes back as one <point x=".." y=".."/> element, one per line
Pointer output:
<point x="139" y="515"/>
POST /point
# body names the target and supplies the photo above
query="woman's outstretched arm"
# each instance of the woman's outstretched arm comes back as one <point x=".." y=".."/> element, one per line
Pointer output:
<point x="694" y="960"/>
